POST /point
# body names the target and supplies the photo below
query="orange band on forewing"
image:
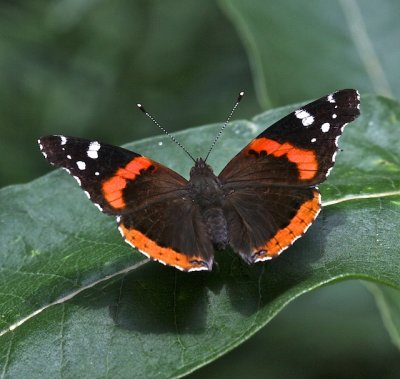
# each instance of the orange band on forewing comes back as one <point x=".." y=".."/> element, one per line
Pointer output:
<point x="164" y="255"/>
<point x="286" y="236"/>
<point x="113" y="187"/>
<point x="305" y="160"/>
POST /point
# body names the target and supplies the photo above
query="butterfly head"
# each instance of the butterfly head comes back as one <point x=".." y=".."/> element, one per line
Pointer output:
<point x="200" y="168"/>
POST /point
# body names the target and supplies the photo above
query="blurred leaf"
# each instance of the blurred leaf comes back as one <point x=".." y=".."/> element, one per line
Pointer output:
<point x="156" y="321"/>
<point x="79" y="67"/>
<point x="301" y="49"/>
<point x="388" y="301"/>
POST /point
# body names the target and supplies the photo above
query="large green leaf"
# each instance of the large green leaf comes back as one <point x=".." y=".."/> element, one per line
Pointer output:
<point x="300" y="48"/>
<point x="155" y="321"/>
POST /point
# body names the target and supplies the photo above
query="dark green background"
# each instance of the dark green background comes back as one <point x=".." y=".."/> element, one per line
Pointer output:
<point x="79" y="67"/>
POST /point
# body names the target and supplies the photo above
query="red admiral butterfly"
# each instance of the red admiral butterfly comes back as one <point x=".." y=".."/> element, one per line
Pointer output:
<point x="262" y="201"/>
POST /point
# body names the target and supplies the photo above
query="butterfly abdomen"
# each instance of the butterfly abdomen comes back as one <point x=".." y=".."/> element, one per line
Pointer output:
<point x="217" y="227"/>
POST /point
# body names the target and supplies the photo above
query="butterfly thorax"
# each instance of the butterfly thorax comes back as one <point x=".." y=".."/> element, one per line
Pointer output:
<point x="206" y="191"/>
<point x="205" y="187"/>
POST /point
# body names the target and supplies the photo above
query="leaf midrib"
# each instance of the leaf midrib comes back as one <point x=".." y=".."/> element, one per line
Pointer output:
<point x="360" y="197"/>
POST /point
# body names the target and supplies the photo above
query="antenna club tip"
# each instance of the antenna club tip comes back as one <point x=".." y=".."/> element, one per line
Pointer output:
<point x="140" y="106"/>
<point x="241" y="94"/>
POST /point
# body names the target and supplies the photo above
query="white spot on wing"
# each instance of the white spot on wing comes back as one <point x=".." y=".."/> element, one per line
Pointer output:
<point x="304" y="116"/>
<point x="325" y="127"/>
<point x="308" y="226"/>
<point x="128" y="242"/>
<point x="97" y="173"/>
<point x="200" y="268"/>
<point x="334" y="115"/>
<point x="81" y="165"/>
<point x="159" y="260"/>
<point x="92" y="154"/>
<point x="319" y="203"/>
<point x="308" y="121"/>
<point x="44" y="154"/>
<point x="331" y="99"/>
<point x="264" y="258"/>
<point x="118" y="218"/>
<point x="77" y="179"/>
<point x="69" y="157"/>
<point x="313" y="140"/>
<point x="98" y="207"/>
<point x="334" y="156"/>
<point x="300" y="113"/>
<point x="63" y="140"/>
<point x="336" y="141"/>
<point x="87" y="194"/>
<point x="296" y="238"/>
<point x="94" y="147"/>
<point x="120" y="229"/>
<point x="144" y="253"/>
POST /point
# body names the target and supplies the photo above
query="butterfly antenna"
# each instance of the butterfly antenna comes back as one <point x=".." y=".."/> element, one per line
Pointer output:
<point x="241" y="94"/>
<point x="140" y="106"/>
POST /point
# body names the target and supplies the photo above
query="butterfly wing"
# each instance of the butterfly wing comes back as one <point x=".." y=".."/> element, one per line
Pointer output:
<point x="300" y="149"/>
<point x="172" y="233"/>
<point x="262" y="222"/>
<point x="270" y="185"/>
<point x="150" y="200"/>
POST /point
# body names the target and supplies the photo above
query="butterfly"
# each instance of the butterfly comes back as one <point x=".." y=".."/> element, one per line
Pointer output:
<point x="264" y="199"/>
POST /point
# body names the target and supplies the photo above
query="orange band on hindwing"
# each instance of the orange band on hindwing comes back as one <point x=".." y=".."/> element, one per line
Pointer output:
<point x="305" y="160"/>
<point x="297" y="227"/>
<point x="113" y="188"/>
<point x="164" y="255"/>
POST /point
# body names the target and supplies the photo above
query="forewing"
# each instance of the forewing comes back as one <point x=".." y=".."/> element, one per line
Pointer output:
<point x="116" y="180"/>
<point x="300" y="149"/>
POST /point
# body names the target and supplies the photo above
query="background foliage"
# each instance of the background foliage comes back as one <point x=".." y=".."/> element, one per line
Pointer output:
<point x="78" y="67"/>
